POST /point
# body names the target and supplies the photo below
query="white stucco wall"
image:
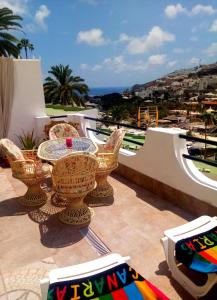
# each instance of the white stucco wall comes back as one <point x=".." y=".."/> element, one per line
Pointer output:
<point x="161" y="158"/>
<point x="41" y="121"/>
<point x="28" y="101"/>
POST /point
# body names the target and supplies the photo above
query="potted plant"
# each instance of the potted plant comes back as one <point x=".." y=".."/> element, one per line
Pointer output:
<point x="29" y="144"/>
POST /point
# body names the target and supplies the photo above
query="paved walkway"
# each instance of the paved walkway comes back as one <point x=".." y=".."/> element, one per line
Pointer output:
<point x="33" y="241"/>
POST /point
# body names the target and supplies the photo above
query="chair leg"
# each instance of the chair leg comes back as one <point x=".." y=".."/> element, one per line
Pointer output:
<point x="103" y="188"/>
<point x="76" y="212"/>
<point x="34" y="196"/>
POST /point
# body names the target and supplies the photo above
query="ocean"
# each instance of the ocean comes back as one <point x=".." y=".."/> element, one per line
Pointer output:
<point x="106" y="90"/>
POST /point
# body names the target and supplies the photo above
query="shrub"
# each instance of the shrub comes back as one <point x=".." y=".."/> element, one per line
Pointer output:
<point x="28" y="140"/>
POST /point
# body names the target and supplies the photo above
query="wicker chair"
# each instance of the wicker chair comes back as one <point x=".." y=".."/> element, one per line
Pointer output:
<point x="62" y="130"/>
<point x="107" y="158"/>
<point x="73" y="178"/>
<point x="29" y="169"/>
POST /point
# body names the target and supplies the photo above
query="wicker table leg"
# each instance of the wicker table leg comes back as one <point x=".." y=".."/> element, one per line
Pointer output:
<point x="76" y="212"/>
<point x="103" y="188"/>
<point x="34" y="196"/>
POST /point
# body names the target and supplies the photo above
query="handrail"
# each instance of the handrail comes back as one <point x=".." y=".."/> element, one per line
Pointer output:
<point x="59" y="116"/>
<point x="196" y="139"/>
<point x="115" y="123"/>
<point x="205" y="161"/>
<point x="108" y="134"/>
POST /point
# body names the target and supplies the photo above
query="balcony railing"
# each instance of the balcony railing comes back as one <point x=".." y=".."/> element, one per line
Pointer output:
<point x="118" y="126"/>
<point x="200" y="140"/>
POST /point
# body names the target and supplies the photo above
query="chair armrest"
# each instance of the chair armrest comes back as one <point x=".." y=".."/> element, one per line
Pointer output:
<point x="23" y="168"/>
<point x="32" y="154"/>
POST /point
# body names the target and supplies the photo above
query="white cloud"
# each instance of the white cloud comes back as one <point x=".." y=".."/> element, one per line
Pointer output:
<point x="214" y="26"/>
<point x="17" y="6"/>
<point x="194" y="61"/>
<point x="158" y="59"/>
<point x="203" y="9"/>
<point x="124" y="37"/>
<point x="84" y="67"/>
<point x="155" y="39"/>
<point x="41" y="14"/>
<point x="171" y="64"/>
<point x="211" y="50"/>
<point x="97" y="68"/>
<point x="92" y="37"/>
<point x="172" y="11"/>
<point x="118" y="64"/>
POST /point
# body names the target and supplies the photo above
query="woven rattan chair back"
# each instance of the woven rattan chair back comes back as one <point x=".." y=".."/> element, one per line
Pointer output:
<point x="28" y="170"/>
<point x="62" y="130"/>
<point x="11" y="151"/>
<point x="74" y="175"/>
<point x="115" y="140"/>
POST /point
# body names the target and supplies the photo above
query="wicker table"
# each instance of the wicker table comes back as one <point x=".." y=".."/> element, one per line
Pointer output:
<point x="52" y="150"/>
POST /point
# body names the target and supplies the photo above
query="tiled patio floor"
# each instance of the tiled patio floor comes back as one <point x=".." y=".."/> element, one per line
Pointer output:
<point x="32" y="244"/>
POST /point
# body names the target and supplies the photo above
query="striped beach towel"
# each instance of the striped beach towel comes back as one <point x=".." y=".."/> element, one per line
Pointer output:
<point x="118" y="283"/>
<point x="199" y="252"/>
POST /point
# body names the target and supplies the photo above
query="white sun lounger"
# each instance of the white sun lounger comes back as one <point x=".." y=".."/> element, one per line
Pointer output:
<point x="171" y="237"/>
<point x="82" y="270"/>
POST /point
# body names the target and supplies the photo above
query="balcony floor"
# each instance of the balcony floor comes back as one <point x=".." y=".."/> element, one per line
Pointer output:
<point x="32" y="244"/>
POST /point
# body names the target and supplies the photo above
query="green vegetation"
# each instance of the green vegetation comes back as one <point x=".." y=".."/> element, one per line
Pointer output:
<point x="8" y="42"/>
<point x="64" y="88"/>
<point x="28" y="140"/>
<point x="26" y="45"/>
<point x="55" y="110"/>
<point x="130" y="136"/>
<point x="203" y="167"/>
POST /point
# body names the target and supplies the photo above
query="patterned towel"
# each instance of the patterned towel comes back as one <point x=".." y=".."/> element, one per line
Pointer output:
<point x="199" y="252"/>
<point x="119" y="283"/>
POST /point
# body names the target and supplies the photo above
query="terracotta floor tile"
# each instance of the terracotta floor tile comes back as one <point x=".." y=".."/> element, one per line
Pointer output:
<point x="33" y="241"/>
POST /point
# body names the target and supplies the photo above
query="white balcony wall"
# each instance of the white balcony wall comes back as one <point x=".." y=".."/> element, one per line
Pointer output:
<point x="161" y="158"/>
<point x="28" y="100"/>
<point x="78" y="117"/>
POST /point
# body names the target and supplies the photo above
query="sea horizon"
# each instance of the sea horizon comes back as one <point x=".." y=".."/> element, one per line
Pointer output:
<point x="99" y="91"/>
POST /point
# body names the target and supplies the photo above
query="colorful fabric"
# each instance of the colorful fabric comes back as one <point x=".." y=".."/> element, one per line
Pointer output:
<point x="62" y="130"/>
<point x="119" y="283"/>
<point x="199" y="252"/>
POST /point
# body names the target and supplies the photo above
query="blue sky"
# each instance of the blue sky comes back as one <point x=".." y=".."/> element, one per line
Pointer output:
<point x="120" y="42"/>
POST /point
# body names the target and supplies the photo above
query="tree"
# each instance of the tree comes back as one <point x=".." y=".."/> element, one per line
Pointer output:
<point x="209" y="119"/>
<point x="25" y="44"/>
<point x="110" y="100"/>
<point x="64" y="88"/>
<point x="119" y="113"/>
<point x="8" y="21"/>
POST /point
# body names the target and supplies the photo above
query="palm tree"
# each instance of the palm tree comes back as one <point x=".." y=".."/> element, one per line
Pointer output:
<point x="209" y="119"/>
<point x="25" y="43"/>
<point x="8" y="21"/>
<point x="64" y="88"/>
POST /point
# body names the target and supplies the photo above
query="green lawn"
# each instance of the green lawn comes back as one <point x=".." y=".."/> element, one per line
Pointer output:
<point x="213" y="170"/>
<point x="58" y="112"/>
<point x="129" y="136"/>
